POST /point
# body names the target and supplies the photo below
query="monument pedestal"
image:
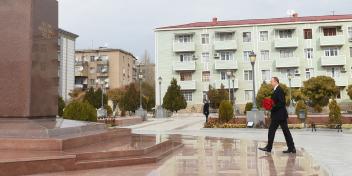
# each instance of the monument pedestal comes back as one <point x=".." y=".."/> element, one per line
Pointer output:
<point x="29" y="59"/>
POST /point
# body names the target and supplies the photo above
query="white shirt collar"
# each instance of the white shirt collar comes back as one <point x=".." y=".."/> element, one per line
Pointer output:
<point x="276" y="87"/>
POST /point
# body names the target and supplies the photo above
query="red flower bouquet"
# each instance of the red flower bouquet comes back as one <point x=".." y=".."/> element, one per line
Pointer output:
<point x="268" y="103"/>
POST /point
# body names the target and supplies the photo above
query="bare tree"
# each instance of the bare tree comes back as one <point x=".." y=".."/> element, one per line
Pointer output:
<point x="147" y="67"/>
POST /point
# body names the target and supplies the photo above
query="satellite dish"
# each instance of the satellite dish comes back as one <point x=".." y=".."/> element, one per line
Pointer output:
<point x="290" y="12"/>
<point x="80" y="68"/>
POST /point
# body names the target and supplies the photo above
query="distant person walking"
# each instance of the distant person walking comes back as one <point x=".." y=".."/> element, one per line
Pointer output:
<point x="206" y="110"/>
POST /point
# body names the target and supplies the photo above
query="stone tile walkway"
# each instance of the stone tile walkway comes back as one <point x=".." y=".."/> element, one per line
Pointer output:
<point x="331" y="149"/>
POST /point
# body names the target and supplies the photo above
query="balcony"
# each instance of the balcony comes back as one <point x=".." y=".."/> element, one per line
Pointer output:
<point x="102" y="62"/>
<point x="188" y="85"/>
<point x="337" y="40"/>
<point x="226" y="84"/>
<point x="295" y="82"/>
<point x="184" y="66"/>
<point x="226" y="65"/>
<point x="102" y="74"/>
<point x="286" y="42"/>
<point x="81" y="71"/>
<point x="184" y="47"/>
<point x="333" y="61"/>
<point x="81" y="63"/>
<point x="341" y="81"/>
<point x="287" y="62"/>
<point x="225" y="45"/>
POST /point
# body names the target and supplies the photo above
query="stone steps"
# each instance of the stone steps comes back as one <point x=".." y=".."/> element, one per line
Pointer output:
<point x="152" y="157"/>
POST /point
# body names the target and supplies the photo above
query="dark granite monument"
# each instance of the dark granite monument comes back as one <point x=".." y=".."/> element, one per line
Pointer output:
<point x="28" y="58"/>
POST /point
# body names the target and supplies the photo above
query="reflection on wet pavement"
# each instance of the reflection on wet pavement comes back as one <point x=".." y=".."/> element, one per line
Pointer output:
<point x="219" y="156"/>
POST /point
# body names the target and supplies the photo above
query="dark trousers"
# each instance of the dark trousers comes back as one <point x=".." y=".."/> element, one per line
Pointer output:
<point x="272" y="130"/>
<point x="206" y="117"/>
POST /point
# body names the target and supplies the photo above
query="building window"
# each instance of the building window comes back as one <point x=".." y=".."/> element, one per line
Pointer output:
<point x="205" y="38"/>
<point x="185" y="76"/>
<point x="290" y="71"/>
<point x="248" y="75"/>
<point x="183" y="38"/>
<point x="92" y="58"/>
<point x="308" y="34"/>
<point x="308" y="52"/>
<point x="186" y="57"/>
<point x="248" y="95"/>
<point x="226" y="55"/>
<point x="205" y="96"/>
<point x="205" y="57"/>
<point x="188" y="95"/>
<point x="350" y="33"/>
<point x="264" y="54"/>
<point x="286" y="53"/>
<point x="223" y="75"/>
<point x="338" y="96"/>
<point x="246" y="55"/>
<point x="350" y="51"/>
<point x="92" y="70"/>
<point x="285" y="33"/>
<point x="331" y="52"/>
<point x="309" y="73"/>
<point x="92" y="81"/>
<point x="224" y="36"/>
<point x="205" y="76"/>
<point x="329" y="31"/>
<point x="247" y="37"/>
<point x="334" y="72"/>
<point x="266" y="75"/>
<point x="263" y="36"/>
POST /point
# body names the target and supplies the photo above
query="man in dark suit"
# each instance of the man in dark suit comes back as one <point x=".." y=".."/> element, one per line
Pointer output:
<point x="279" y="116"/>
<point x="206" y="110"/>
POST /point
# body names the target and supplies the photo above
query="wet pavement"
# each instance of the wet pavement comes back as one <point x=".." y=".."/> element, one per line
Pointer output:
<point x="217" y="156"/>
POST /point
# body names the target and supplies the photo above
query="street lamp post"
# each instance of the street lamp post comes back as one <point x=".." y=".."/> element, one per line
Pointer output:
<point x="233" y="95"/>
<point x="291" y="108"/>
<point x="160" y="80"/>
<point x="159" y="110"/>
<point x="140" y="112"/>
<point x="253" y="57"/>
<point x="140" y="76"/>
<point x="229" y="73"/>
<point x="290" y="76"/>
<point x="102" y="111"/>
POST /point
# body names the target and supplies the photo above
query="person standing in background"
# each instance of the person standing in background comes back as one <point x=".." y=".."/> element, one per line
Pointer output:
<point x="206" y="110"/>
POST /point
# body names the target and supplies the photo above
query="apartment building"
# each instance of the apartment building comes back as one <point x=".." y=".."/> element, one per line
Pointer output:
<point x="112" y="67"/>
<point x="66" y="57"/>
<point x="202" y="53"/>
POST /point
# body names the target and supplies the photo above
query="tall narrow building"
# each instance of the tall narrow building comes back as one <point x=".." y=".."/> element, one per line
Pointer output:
<point x="66" y="57"/>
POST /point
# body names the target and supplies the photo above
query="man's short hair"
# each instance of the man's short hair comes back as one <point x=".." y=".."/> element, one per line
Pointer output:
<point x="276" y="79"/>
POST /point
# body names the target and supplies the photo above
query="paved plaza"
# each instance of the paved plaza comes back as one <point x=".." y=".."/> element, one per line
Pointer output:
<point x="234" y="152"/>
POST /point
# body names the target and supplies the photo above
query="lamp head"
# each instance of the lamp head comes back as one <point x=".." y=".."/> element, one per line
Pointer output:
<point x="252" y="57"/>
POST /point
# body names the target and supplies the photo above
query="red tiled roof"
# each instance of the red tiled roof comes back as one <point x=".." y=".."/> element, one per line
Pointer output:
<point x="260" y="21"/>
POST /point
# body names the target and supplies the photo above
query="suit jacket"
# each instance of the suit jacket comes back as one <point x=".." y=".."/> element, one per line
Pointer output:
<point x="206" y="109"/>
<point x="279" y="111"/>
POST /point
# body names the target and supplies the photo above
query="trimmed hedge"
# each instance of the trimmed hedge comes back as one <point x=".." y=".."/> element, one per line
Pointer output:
<point x="225" y="111"/>
<point x="82" y="111"/>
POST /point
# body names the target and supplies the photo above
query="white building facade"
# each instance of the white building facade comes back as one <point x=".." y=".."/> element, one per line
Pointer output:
<point x="202" y="53"/>
<point x="66" y="57"/>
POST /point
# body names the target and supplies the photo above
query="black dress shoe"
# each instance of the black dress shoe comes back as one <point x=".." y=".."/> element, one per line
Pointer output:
<point x="265" y="149"/>
<point x="290" y="151"/>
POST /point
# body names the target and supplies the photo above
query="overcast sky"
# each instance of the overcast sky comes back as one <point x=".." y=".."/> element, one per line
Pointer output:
<point x="130" y="24"/>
